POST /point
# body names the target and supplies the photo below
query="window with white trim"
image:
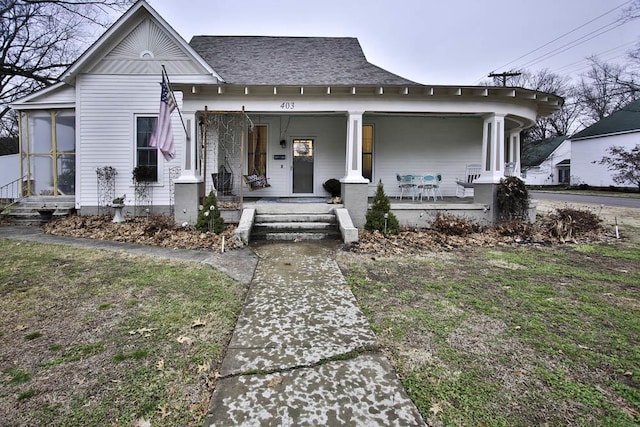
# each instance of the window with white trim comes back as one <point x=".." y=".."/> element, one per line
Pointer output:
<point x="146" y="156"/>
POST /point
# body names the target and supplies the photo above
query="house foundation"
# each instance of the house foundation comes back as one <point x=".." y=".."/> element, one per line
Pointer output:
<point x="187" y="201"/>
<point x="354" y="199"/>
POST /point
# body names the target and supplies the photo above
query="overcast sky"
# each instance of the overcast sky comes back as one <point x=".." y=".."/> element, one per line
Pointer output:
<point x="429" y="41"/>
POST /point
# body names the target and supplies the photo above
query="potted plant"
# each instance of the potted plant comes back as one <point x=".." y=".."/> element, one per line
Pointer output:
<point x="144" y="174"/>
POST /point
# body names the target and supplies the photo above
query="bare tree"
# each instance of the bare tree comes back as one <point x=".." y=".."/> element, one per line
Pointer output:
<point x="604" y="89"/>
<point x="40" y="38"/>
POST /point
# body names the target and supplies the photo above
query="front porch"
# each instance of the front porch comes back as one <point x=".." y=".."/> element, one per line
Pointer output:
<point x="414" y="214"/>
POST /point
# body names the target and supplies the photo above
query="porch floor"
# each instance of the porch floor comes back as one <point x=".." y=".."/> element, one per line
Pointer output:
<point x="456" y="203"/>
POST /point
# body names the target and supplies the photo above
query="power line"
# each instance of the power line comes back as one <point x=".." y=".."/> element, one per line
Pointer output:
<point x="574" y="43"/>
<point x="566" y="34"/>
<point x="603" y="53"/>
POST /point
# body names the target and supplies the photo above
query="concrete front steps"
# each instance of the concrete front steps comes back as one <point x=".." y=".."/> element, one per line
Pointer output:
<point x="294" y="221"/>
<point x="26" y="210"/>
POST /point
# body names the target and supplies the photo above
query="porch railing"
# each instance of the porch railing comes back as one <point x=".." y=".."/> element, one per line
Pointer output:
<point x="10" y="192"/>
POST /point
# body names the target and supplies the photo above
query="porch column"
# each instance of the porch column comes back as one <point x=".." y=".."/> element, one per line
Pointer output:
<point x="190" y="185"/>
<point x="190" y="171"/>
<point x="354" y="186"/>
<point x="353" y="158"/>
<point x="485" y="188"/>
<point x="514" y="151"/>
<point x="492" y="149"/>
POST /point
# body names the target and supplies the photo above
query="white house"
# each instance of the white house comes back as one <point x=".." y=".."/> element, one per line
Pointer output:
<point x="547" y="162"/>
<point x="9" y="169"/>
<point x="296" y="110"/>
<point x="590" y="145"/>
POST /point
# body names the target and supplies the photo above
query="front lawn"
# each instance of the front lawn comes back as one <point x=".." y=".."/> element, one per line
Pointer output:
<point x="509" y="335"/>
<point x="99" y="338"/>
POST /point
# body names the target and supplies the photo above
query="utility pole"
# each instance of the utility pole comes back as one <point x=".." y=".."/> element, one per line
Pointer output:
<point x="505" y="75"/>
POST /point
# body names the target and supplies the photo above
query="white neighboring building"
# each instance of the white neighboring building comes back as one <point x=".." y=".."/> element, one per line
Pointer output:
<point x="547" y="162"/>
<point x="9" y="165"/>
<point x="590" y="145"/>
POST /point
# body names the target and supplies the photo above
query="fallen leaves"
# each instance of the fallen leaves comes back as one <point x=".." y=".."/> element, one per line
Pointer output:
<point x="274" y="381"/>
<point x="143" y="422"/>
<point x="154" y="231"/>
<point x="198" y="323"/>
<point x="185" y="340"/>
<point x="145" y="332"/>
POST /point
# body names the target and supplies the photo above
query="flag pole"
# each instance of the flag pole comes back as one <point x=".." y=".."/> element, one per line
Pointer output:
<point x="165" y="75"/>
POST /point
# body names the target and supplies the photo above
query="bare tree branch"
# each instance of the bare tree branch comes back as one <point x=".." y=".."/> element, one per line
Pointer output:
<point x="39" y="39"/>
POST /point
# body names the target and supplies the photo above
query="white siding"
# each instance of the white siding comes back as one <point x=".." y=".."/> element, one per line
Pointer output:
<point x="329" y="135"/>
<point x="9" y="168"/>
<point x="585" y="155"/>
<point x="408" y="145"/>
<point x="106" y="133"/>
<point x="415" y="145"/>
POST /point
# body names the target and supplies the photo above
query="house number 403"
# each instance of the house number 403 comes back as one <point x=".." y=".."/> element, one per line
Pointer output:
<point x="287" y="105"/>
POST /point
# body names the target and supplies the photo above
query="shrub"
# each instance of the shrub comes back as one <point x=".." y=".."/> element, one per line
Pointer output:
<point x="452" y="225"/>
<point x="376" y="215"/>
<point x="209" y="218"/>
<point x="513" y="199"/>
<point x="332" y="186"/>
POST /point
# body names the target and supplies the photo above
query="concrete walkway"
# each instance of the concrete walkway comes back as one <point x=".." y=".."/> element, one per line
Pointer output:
<point x="302" y="352"/>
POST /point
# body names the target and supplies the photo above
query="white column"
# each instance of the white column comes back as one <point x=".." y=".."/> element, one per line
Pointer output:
<point x="353" y="160"/>
<point x="514" y="150"/>
<point x="190" y="172"/>
<point x="492" y="149"/>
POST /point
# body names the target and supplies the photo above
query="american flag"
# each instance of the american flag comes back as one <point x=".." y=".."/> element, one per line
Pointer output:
<point x="162" y="136"/>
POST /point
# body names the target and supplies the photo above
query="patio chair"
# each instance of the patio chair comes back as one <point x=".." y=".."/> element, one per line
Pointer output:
<point x="406" y="183"/>
<point x="472" y="172"/>
<point x="430" y="184"/>
<point x="436" y="187"/>
<point x="427" y="186"/>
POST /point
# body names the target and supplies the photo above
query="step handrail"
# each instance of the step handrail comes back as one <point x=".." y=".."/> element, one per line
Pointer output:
<point x="11" y="191"/>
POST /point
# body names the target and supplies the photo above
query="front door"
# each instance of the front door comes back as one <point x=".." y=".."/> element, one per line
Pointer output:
<point x="303" y="150"/>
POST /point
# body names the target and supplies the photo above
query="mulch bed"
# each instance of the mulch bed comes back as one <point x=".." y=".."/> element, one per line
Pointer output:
<point x="163" y="232"/>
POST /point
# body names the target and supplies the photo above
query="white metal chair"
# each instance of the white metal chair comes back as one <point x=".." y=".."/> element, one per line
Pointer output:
<point x="406" y="183"/>
<point x="510" y="169"/>
<point x="472" y="172"/>
<point x="430" y="184"/>
<point x="427" y="186"/>
<point x="436" y="187"/>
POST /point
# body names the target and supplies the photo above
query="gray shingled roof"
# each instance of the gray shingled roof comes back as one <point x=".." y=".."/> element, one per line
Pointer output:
<point x="536" y="152"/>
<point x="624" y="120"/>
<point x="283" y="61"/>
